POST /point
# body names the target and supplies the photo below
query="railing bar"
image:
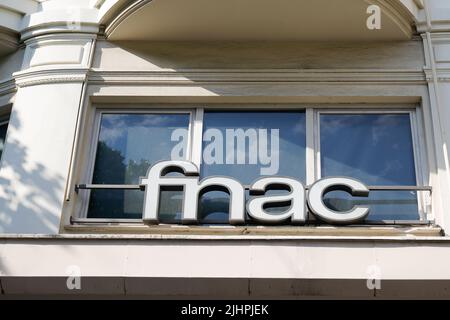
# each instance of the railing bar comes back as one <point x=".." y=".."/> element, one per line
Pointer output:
<point x="247" y="187"/>
<point x="106" y="220"/>
<point x="400" y="188"/>
<point x="366" y="222"/>
<point x="110" y="186"/>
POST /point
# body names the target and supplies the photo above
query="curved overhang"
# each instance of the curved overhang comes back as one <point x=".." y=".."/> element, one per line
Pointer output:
<point x="256" y="20"/>
<point x="208" y="20"/>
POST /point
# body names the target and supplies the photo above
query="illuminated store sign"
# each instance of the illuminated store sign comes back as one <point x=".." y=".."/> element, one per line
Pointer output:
<point x="158" y="179"/>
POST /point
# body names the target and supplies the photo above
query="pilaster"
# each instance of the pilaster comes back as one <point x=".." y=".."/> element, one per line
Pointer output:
<point x="43" y="122"/>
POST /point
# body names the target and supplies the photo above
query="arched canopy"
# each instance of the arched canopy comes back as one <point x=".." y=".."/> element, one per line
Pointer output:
<point x="208" y="20"/>
<point x="257" y="20"/>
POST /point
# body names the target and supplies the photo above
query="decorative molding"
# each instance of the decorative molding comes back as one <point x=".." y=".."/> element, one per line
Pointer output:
<point x="8" y="39"/>
<point x="438" y="37"/>
<point x="38" y="76"/>
<point x="443" y="74"/>
<point x="125" y="12"/>
<point x="436" y="26"/>
<point x="97" y="3"/>
<point x="65" y="19"/>
<point x="441" y="48"/>
<point x="207" y="76"/>
<point x="58" y="28"/>
<point x="56" y="54"/>
<point x="398" y="13"/>
<point x="70" y="50"/>
<point x="442" y="53"/>
<point x="7" y="87"/>
<point x="419" y="4"/>
<point x="32" y="78"/>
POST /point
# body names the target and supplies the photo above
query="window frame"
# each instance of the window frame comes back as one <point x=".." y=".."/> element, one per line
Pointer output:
<point x="99" y="112"/>
<point x="312" y="161"/>
<point x="424" y="213"/>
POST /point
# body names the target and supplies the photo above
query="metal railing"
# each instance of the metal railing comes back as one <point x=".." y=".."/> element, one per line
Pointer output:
<point x="247" y="187"/>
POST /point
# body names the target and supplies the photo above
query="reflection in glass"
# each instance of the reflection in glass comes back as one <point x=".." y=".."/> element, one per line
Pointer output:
<point x="128" y="145"/>
<point x="214" y="206"/>
<point x="274" y="146"/>
<point x="376" y="149"/>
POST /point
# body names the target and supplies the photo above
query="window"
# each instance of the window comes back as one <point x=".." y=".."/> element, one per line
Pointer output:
<point x="3" y="130"/>
<point x="128" y="144"/>
<point x="376" y="147"/>
<point x="247" y="146"/>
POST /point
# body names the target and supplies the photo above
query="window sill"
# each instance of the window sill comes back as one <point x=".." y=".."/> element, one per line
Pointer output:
<point x="256" y="232"/>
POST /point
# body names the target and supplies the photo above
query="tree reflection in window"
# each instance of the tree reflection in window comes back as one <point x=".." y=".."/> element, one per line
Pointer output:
<point x="128" y="145"/>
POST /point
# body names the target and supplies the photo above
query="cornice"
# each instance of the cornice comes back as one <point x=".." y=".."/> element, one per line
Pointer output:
<point x="58" y="28"/>
<point x="443" y="74"/>
<point x="436" y="26"/>
<point x="8" y="39"/>
<point x="61" y="20"/>
<point x="7" y="86"/>
<point x="232" y="76"/>
<point x="438" y="37"/>
<point x="38" y="77"/>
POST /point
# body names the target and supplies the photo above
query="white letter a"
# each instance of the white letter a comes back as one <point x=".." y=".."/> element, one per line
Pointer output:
<point x="374" y="20"/>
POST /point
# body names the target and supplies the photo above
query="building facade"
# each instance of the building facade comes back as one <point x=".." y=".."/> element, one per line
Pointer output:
<point x="173" y="149"/>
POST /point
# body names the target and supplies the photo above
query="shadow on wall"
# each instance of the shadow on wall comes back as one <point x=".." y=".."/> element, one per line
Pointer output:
<point x="200" y="55"/>
<point x="27" y="190"/>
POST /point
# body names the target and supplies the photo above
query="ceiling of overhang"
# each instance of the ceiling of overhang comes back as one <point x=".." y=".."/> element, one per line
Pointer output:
<point x="260" y="20"/>
<point x="5" y="50"/>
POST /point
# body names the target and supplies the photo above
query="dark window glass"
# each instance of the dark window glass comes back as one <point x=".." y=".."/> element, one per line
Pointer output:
<point x="376" y="149"/>
<point x="248" y="146"/>
<point x="128" y="145"/>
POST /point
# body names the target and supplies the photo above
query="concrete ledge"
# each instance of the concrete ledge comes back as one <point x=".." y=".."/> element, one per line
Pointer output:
<point x="255" y="232"/>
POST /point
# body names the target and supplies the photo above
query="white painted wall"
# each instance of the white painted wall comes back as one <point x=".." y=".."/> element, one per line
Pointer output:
<point x="35" y="161"/>
<point x="289" y="259"/>
<point x="10" y="64"/>
<point x="272" y="269"/>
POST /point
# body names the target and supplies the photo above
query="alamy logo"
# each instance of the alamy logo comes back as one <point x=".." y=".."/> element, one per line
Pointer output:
<point x="73" y="281"/>
<point x="373" y="277"/>
<point x="374" y="20"/>
<point x="74" y="18"/>
<point x="235" y="146"/>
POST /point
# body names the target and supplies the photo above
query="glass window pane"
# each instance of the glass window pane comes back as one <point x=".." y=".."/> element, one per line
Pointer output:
<point x="247" y="146"/>
<point x="128" y="144"/>
<point x="376" y="149"/>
